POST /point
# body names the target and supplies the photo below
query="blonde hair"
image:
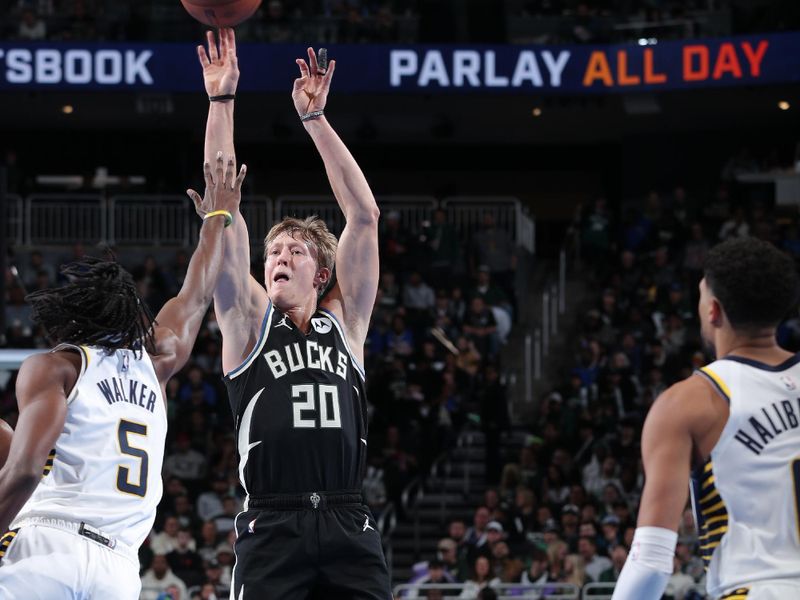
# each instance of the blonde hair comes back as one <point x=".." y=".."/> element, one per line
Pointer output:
<point x="578" y="574"/>
<point x="313" y="231"/>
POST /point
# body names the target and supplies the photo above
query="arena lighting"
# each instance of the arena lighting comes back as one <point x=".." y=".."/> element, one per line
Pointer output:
<point x="536" y="112"/>
<point x="67" y="109"/>
<point x="784" y="105"/>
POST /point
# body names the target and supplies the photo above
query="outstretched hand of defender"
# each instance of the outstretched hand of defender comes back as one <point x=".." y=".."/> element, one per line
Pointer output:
<point x="220" y="65"/>
<point x="311" y="89"/>
<point x="223" y="188"/>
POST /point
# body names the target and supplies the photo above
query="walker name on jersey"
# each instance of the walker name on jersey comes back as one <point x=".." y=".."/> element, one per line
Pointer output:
<point x="76" y="66"/>
<point x="114" y="390"/>
<point x="314" y="356"/>
<point x="768" y="424"/>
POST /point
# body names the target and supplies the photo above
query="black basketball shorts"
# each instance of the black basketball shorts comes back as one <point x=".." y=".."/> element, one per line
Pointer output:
<point x="309" y="546"/>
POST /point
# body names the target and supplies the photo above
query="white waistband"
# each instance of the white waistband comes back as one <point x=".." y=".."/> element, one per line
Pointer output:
<point x="84" y="530"/>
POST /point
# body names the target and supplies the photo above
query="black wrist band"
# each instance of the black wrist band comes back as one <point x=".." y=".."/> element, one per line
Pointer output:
<point x="222" y="98"/>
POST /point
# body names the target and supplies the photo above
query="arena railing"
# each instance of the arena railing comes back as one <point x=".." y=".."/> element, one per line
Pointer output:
<point x="505" y="591"/>
<point x="413" y="211"/>
<point x="466" y="213"/>
<point x="13" y="220"/>
<point x="64" y="219"/>
<point x="145" y="219"/>
<point x="137" y="220"/>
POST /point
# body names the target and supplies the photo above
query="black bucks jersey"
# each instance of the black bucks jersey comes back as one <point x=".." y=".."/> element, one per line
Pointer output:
<point x="299" y="406"/>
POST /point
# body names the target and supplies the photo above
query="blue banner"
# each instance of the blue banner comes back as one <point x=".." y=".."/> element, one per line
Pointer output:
<point x="364" y="68"/>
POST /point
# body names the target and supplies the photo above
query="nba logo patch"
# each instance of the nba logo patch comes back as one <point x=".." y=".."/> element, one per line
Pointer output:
<point x="321" y="324"/>
<point x="251" y="527"/>
<point x="788" y="382"/>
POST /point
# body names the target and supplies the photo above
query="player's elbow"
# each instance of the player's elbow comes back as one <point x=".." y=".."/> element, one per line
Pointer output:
<point x="367" y="216"/>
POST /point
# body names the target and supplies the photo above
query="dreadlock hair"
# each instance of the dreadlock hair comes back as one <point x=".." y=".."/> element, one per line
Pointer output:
<point x="100" y="306"/>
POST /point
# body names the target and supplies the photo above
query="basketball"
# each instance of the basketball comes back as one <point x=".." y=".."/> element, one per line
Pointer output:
<point x="221" y="13"/>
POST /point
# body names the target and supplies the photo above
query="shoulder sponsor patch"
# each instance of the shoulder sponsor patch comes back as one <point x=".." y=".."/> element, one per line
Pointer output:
<point x="321" y="324"/>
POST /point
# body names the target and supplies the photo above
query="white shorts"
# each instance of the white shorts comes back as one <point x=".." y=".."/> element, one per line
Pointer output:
<point x="766" y="590"/>
<point x="45" y="563"/>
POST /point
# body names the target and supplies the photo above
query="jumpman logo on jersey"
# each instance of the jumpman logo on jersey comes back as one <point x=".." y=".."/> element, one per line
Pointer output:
<point x="283" y="323"/>
<point x="366" y="524"/>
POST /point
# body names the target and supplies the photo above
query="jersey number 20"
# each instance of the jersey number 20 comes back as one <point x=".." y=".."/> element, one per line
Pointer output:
<point x="125" y="429"/>
<point x="304" y="398"/>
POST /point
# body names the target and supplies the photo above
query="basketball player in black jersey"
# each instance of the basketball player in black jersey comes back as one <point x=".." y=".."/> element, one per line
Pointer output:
<point x="292" y="361"/>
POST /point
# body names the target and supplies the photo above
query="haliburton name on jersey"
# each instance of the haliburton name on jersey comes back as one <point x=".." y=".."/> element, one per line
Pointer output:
<point x="783" y="415"/>
<point x="315" y="356"/>
<point x="137" y="392"/>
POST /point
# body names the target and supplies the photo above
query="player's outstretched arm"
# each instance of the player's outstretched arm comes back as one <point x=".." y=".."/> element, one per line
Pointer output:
<point x="239" y="300"/>
<point x="43" y="385"/>
<point x="180" y="318"/>
<point x="357" y="254"/>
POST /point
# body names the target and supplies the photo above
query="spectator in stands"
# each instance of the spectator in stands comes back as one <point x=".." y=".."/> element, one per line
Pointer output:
<point x="447" y="550"/>
<point x="214" y="577"/>
<point x="184" y="561"/>
<point x="395" y="244"/>
<point x="538" y="571"/>
<point x="679" y="583"/>
<point x="31" y="26"/>
<point x="480" y="327"/>
<point x="619" y="554"/>
<point x="225" y="520"/>
<point x="226" y="559"/>
<point x="575" y="571"/>
<point x="419" y="301"/>
<point x="691" y="563"/>
<point x="185" y="462"/>
<point x="184" y="512"/>
<point x="196" y="391"/>
<point x="166" y="541"/>
<point x="209" y="503"/>
<point x="556" y="553"/>
<point x="611" y="533"/>
<point x="592" y="562"/>
<point x="445" y="262"/>
<point x="434" y="573"/>
<point x="158" y="578"/>
<point x="481" y="575"/>
<point x="209" y="537"/>
<point x="475" y="536"/>
<point x="494" y="248"/>
<point x="736" y="226"/>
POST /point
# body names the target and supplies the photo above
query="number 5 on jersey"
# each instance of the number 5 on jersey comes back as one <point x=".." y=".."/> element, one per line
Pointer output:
<point x="123" y="473"/>
<point x="305" y="398"/>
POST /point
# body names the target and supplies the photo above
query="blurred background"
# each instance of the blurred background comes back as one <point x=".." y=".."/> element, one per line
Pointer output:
<point x="551" y="174"/>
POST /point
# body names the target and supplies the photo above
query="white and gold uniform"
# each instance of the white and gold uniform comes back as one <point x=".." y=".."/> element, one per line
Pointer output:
<point x="79" y="533"/>
<point x="747" y="496"/>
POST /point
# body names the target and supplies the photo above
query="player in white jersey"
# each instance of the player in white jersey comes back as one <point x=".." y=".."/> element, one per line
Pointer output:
<point x="82" y="480"/>
<point x="735" y="424"/>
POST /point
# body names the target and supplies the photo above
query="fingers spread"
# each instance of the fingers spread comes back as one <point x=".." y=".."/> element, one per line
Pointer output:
<point x="218" y="173"/>
<point x="312" y="60"/>
<point x="207" y="174"/>
<point x="240" y="177"/>
<point x="231" y="39"/>
<point x="303" y="67"/>
<point x="203" y="57"/>
<point x="326" y="81"/>
<point x="229" y="172"/>
<point x="195" y="198"/>
<point x="212" y="46"/>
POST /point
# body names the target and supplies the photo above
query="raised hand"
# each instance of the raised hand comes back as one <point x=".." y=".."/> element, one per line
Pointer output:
<point x="220" y="66"/>
<point x="223" y="191"/>
<point x="310" y="91"/>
